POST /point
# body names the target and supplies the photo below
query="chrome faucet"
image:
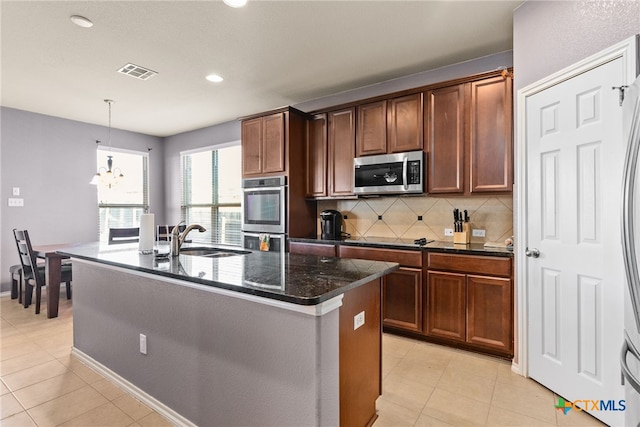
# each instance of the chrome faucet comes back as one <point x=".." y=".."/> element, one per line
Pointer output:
<point x="177" y="239"/>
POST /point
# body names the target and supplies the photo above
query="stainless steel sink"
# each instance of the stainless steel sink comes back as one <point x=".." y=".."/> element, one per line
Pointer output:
<point x="212" y="252"/>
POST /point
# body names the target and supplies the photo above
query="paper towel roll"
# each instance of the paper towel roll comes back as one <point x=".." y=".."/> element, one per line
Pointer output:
<point x="147" y="234"/>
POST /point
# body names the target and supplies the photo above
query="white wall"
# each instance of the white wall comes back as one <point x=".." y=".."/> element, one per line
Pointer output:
<point x="52" y="161"/>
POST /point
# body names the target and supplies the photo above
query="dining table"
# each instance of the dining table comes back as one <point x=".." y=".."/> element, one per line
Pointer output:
<point x="53" y="271"/>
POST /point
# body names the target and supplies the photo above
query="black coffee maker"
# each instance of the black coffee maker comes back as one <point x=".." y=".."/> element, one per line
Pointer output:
<point x="331" y="223"/>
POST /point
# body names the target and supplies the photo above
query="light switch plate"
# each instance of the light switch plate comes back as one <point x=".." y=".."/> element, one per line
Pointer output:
<point x="478" y="232"/>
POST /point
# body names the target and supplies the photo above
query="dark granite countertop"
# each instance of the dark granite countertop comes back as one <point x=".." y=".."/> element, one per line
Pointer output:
<point x="298" y="279"/>
<point x="431" y="246"/>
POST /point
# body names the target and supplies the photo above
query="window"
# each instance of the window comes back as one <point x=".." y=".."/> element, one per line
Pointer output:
<point x="123" y="203"/>
<point x="212" y="193"/>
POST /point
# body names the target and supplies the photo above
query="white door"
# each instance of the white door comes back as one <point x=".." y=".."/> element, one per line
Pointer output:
<point x="575" y="155"/>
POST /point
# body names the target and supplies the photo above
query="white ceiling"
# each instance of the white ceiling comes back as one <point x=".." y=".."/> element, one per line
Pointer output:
<point x="271" y="54"/>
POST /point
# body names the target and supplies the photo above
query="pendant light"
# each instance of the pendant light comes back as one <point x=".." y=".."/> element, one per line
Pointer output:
<point x="109" y="176"/>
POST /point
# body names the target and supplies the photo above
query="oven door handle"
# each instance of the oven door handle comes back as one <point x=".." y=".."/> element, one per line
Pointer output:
<point x="405" y="159"/>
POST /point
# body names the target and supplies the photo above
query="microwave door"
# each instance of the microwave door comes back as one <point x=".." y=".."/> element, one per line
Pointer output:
<point x="380" y="175"/>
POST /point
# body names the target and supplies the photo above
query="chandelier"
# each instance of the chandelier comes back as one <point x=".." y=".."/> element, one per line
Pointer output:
<point x="109" y="176"/>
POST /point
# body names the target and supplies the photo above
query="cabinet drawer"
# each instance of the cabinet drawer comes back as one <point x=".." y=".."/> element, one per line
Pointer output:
<point x="470" y="264"/>
<point x="312" y="249"/>
<point x="402" y="257"/>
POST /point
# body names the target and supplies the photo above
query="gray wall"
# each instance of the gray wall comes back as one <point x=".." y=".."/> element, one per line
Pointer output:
<point x="52" y="160"/>
<point x="551" y="35"/>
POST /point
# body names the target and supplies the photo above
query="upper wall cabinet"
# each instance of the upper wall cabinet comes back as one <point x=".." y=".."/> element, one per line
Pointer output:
<point x="341" y="143"/>
<point x="272" y="141"/>
<point x="389" y="126"/>
<point x="468" y="137"/>
<point x="317" y="156"/>
<point x="263" y="145"/>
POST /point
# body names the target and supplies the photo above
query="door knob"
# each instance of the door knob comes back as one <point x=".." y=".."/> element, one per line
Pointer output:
<point x="532" y="253"/>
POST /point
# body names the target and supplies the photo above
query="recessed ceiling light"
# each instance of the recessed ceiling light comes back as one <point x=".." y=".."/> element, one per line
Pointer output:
<point x="214" y="78"/>
<point x="81" y="21"/>
<point x="235" y="3"/>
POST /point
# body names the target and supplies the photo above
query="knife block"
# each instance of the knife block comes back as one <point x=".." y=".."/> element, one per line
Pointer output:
<point x="462" y="237"/>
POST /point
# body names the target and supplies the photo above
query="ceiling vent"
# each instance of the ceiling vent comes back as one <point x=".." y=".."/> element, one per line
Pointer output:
<point x="137" y="71"/>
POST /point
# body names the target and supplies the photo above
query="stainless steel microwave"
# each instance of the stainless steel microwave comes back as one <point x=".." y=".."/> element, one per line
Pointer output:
<point x="398" y="173"/>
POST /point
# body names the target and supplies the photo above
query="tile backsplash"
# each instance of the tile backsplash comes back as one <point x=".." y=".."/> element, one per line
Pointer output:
<point x="413" y="217"/>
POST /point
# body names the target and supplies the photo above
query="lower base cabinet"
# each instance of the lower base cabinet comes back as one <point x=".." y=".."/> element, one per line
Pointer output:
<point x="489" y="318"/>
<point x="402" y="299"/>
<point x="447" y="307"/>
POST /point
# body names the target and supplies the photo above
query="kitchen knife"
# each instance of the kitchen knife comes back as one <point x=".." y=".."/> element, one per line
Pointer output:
<point x="466" y="216"/>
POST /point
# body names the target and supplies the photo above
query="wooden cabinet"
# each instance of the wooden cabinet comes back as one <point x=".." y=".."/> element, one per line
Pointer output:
<point x="447" y="307"/>
<point x="390" y="126"/>
<point x="317" y="156"/>
<point x="405" y="123"/>
<point x="304" y="248"/>
<point x="468" y="137"/>
<point x="402" y="295"/>
<point x="341" y="145"/>
<point x="470" y="301"/>
<point x="263" y="145"/>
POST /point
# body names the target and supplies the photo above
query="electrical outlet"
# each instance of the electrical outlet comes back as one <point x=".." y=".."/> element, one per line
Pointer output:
<point x="16" y="191"/>
<point x="143" y="344"/>
<point x="448" y="231"/>
<point x="13" y="202"/>
<point x="358" y="320"/>
<point x="478" y="232"/>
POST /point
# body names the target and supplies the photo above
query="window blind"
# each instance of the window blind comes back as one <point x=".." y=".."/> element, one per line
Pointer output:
<point x="212" y="194"/>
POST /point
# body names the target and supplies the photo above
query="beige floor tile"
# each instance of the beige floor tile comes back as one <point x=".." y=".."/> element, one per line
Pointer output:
<point x="476" y="364"/>
<point x="469" y="385"/>
<point x="25" y="361"/>
<point x="456" y="410"/>
<point x="21" y="419"/>
<point x="9" y="406"/>
<point x="406" y="392"/>
<point x="132" y="407"/>
<point x="435" y="356"/>
<point x="154" y="420"/>
<point x="577" y="419"/>
<point x="420" y="370"/>
<point x="33" y="375"/>
<point x="393" y="415"/>
<point x="107" y="415"/>
<point x="50" y="389"/>
<point x="530" y="399"/>
<point x="19" y="349"/>
<point x="4" y="389"/>
<point x="67" y="407"/>
<point x="83" y="371"/>
<point x="108" y="389"/>
<point x="427" y="421"/>
<point x="388" y="363"/>
<point x="504" y="417"/>
<point x="395" y="345"/>
<point x="15" y="339"/>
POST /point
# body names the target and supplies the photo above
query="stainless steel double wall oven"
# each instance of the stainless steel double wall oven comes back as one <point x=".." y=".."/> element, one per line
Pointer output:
<point x="264" y="212"/>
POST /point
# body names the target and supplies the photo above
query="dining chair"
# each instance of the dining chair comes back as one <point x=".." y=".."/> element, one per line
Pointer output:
<point x="33" y="275"/>
<point x="124" y="235"/>
<point x="16" y="282"/>
<point x="163" y="232"/>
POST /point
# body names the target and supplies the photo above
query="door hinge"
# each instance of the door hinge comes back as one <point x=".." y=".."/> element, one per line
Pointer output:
<point x="621" y="90"/>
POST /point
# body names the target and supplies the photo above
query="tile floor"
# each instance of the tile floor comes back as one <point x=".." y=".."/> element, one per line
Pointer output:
<point x="423" y="384"/>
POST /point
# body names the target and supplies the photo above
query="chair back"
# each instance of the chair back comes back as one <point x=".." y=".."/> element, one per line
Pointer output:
<point x="27" y="256"/>
<point x="163" y="232"/>
<point x="124" y="235"/>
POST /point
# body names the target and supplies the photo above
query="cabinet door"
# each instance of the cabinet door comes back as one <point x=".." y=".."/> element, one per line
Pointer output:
<point x="490" y="312"/>
<point x="491" y="140"/>
<point x="405" y="123"/>
<point x="273" y="143"/>
<point x="371" y="137"/>
<point x="317" y="156"/>
<point x="444" y="135"/>
<point x="446" y="305"/>
<point x="341" y="136"/>
<point x="402" y="299"/>
<point x="251" y="146"/>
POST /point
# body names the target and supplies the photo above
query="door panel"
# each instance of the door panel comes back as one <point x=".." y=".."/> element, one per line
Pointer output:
<point x="446" y="305"/>
<point x="575" y="152"/>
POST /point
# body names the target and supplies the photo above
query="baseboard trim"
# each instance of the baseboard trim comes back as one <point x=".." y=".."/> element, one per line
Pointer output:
<point x="132" y="389"/>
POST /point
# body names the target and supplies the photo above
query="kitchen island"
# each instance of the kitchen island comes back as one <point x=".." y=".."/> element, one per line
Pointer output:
<point x="241" y="340"/>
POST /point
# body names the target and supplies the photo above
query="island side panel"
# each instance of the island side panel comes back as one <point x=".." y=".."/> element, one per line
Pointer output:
<point x="360" y="355"/>
<point x="214" y="359"/>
